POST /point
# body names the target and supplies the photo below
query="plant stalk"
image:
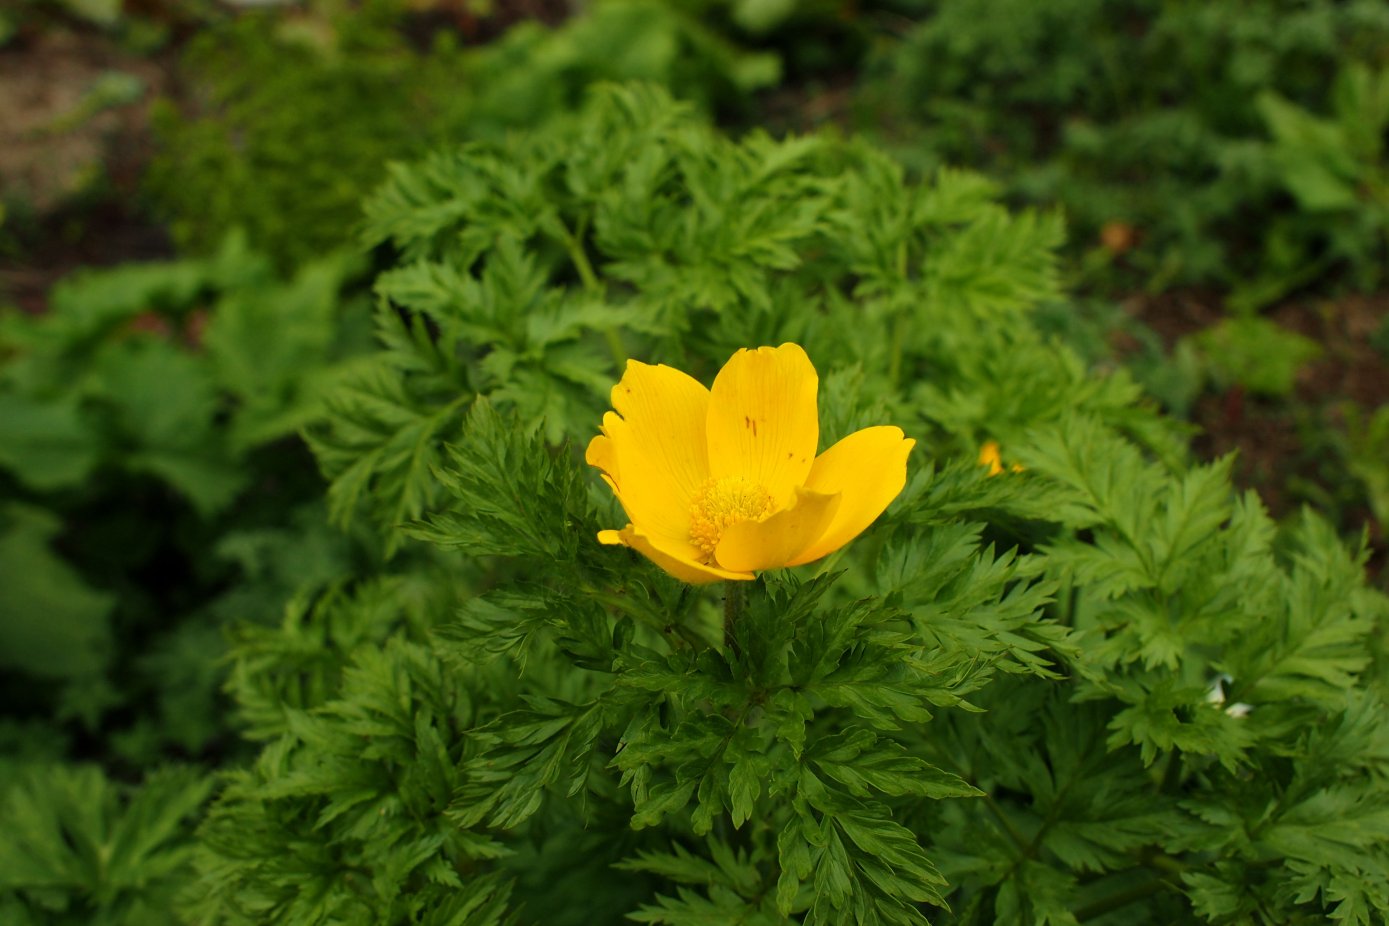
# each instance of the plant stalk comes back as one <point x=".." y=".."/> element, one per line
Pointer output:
<point x="734" y="597"/>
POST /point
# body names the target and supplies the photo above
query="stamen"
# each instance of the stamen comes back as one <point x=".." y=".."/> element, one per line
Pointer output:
<point x="720" y="503"/>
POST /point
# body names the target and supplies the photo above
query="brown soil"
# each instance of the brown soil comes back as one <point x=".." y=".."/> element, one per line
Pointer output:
<point x="801" y="108"/>
<point x="70" y="170"/>
<point x="1287" y="448"/>
<point x="462" y="17"/>
<point x="70" y="167"/>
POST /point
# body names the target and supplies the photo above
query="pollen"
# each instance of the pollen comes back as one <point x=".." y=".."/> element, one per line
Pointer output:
<point x="721" y="503"/>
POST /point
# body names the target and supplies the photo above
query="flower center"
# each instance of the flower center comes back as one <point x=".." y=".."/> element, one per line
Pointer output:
<point x="720" y="503"/>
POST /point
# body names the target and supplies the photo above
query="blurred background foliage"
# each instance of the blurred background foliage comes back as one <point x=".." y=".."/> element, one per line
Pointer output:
<point x="185" y="275"/>
<point x="1177" y="135"/>
<point x="252" y="152"/>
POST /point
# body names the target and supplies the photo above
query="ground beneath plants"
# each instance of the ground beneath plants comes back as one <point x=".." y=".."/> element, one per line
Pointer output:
<point x="1283" y="445"/>
<point x="75" y="136"/>
<point x="74" y="142"/>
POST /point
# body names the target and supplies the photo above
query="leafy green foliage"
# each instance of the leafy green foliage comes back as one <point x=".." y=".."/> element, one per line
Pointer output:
<point x="114" y="375"/>
<point x="502" y="250"/>
<point x="1365" y="447"/>
<point x="1173" y="133"/>
<point x="1093" y="685"/>
<point x="295" y="122"/>
<point x="356" y="770"/>
<point x="359" y="768"/>
<point x="1335" y="171"/>
<point x="152" y="493"/>
<point x="1255" y="354"/>
<point x="51" y="622"/>
<point x="1064" y="693"/>
<point x="79" y="848"/>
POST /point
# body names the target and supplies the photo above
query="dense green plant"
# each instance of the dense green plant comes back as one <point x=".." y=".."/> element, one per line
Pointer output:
<point x="1336" y="172"/>
<point x="1363" y="444"/>
<point x="1153" y="118"/>
<point x="294" y="117"/>
<point x="81" y="849"/>
<point x="1102" y="688"/>
<point x="1254" y="354"/>
<point x="152" y="487"/>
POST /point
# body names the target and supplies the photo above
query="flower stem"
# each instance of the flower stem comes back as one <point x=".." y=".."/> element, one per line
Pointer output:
<point x="575" y="247"/>
<point x="894" y="364"/>
<point x="734" y="595"/>
<point x="616" y="347"/>
<point x="1121" y="899"/>
<point x="899" y="324"/>
<point x="573" y="243"/>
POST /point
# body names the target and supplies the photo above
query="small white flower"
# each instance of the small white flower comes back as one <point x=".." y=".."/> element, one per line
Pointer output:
<point x="1216" y="695"/>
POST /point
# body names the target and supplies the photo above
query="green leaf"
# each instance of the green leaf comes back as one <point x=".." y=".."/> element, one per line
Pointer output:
<point x="690" y="908"/>
<point x="118" y="854"/>
<point x="509" y="494"/>
<point x="1257" y="354"/>
<point x="166" y="401"/>
<point x="271" y="348"/>
<point x="47" y="444"/>
<point x="731" y="878"/>
<point x="381" y="445"/>
<point x="971" y="602"/>
<point x="1174" y="718"/>
<point x="744" y="786"/>
<point x="1315" y="158"/>
<point x="523" y="754"/>
<point x="996" y="263"/>
<point x="52" y="624"/>
<point x="1312" y="644"/>
<point x="864" y="763"/>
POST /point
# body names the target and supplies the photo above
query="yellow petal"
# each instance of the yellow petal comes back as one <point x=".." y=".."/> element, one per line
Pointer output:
<point x="602" y="454"/>
<point x="869" y="468"/>
<point x="751" y="546"/>
<point x="678" y="562"/>
<point x="763" y="419"/>
<point x="654" y="447"/>
<point x="989" y="456"/>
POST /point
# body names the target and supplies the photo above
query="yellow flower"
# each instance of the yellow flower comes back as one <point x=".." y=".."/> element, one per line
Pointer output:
<point x="723" y="483"/>
<point x="989" y="456"/>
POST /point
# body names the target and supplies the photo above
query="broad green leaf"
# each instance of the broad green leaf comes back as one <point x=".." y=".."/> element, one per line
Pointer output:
<point x="52" y="623"/>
